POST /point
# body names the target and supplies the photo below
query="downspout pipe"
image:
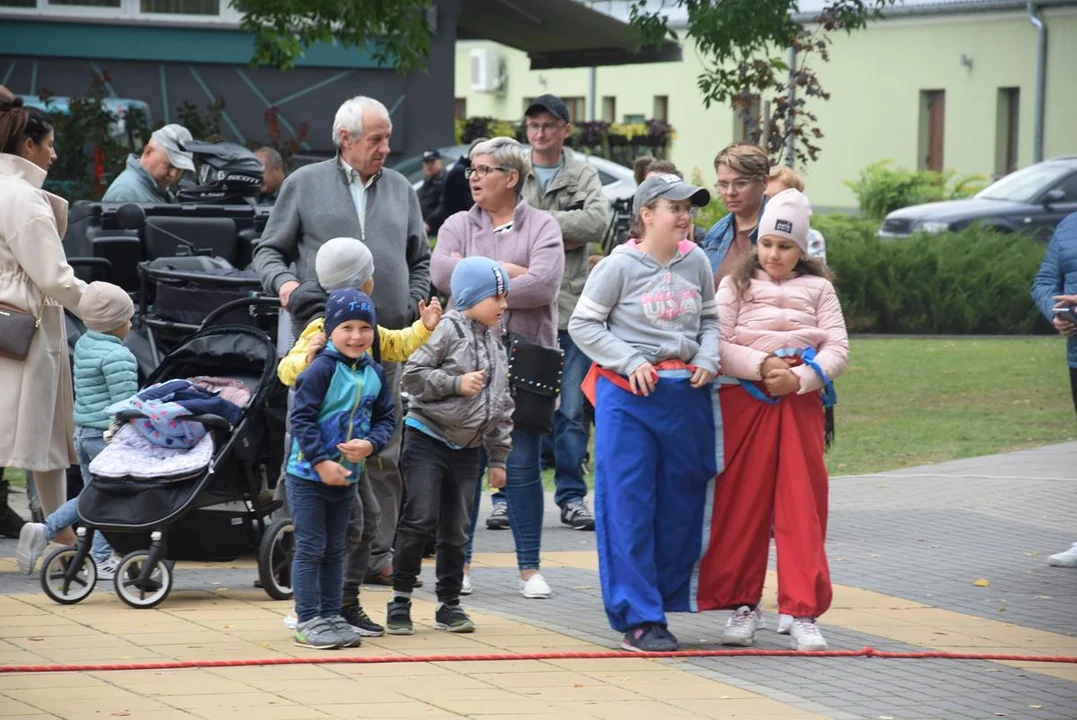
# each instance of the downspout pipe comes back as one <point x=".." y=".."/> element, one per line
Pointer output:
<point x="791" y="141"/>
<point x="1041" y="81"/>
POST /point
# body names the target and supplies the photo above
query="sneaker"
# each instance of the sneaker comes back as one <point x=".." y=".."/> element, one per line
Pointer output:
<point x="291" y="620"/>
<point x="317" y="633"/>
<point x="742" y="626"/>
<point x="499" y="517"/>
<point x="451" y="617"/>
<point x="1066" y="558"/>
<point x="785" y="624"/>
<point x="32" y="542"/>
<point x="649" y="638"/>
<point x="535" y="587"/>
<point x="398" y="617"/>
<point x="806" y="635"/>
<point x="578" y="516"/>
<point x="106" y="569"/>
<point x="360" y="622"/>
<point x="465" y="587"/>
<point x="349" y="636"/>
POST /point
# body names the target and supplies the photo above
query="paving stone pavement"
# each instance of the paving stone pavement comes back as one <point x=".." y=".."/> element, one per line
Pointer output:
<point x="905" y="549"/>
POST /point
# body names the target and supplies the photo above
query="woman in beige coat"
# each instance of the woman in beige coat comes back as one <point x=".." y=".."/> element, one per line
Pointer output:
<point x="36" y="400"/>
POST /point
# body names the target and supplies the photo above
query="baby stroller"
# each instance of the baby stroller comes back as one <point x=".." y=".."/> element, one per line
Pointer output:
<point x="211" y="509"/>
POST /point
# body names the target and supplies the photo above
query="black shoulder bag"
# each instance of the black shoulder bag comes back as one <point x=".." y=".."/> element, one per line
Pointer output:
<point x="534" y="382"/>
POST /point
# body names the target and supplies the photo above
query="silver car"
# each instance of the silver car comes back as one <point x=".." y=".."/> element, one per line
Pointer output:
<point x="618" y="183"/>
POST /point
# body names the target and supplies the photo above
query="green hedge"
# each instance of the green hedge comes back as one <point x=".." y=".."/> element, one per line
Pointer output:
<point x="972" y="282"/>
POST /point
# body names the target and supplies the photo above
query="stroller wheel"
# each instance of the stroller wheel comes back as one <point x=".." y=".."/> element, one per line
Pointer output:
<point x="135" y="591"/>
<point x="54" y="576"/>
<point x="275" y="553"/>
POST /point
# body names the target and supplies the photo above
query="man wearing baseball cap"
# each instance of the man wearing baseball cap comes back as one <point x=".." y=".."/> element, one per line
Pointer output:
<point x="148" y="177"/>
<point x="430" y="192"/>
<point x="567" y="186"/>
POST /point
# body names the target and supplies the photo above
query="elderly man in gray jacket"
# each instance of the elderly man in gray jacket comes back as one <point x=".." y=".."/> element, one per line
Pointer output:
<point x="354" y="195"/>
<point x="567" y="186"/>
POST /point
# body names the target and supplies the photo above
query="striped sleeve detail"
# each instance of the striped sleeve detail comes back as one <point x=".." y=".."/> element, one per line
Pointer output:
<point x="709" y="309"/>
<point x="591" y="310"/>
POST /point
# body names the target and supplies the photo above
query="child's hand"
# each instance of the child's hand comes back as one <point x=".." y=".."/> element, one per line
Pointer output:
<point x="781" y="382"/>
<point x="701" y="377"/>
<point x="643" y="379"/>
<point x="771" y="364"/>
<point x="472" y="383"/>
<point x="430" y="314"/>
<point x="356" y="450"/>
<point x="496" y="478"/>
<point x="332" y="473"/>
<point x="315" y="346"/>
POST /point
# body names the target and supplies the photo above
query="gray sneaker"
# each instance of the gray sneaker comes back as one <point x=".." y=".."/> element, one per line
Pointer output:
<point x="317" y="633"/>
<point x="499" y="517"/>
<point x="578" y="516"/>
<point x="349" y="637"/>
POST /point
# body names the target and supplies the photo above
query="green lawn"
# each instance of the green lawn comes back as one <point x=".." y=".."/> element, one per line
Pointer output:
<point x="913" y="402"/>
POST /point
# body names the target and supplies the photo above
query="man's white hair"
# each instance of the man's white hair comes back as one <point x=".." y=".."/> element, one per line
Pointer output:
<point x="350" y="116"/>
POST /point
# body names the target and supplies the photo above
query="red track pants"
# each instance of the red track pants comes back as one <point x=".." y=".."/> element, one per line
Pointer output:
<point x="774" y="473"/>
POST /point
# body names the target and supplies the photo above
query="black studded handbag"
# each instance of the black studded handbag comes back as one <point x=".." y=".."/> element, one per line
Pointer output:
<point x="534" y="382"/>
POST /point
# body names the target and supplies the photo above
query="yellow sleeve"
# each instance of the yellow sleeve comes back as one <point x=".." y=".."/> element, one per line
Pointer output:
<point x="295" y="361"/>
<point x="398" y="345"/>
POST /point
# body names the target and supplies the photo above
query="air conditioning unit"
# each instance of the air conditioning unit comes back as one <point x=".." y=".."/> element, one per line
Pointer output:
<point x="487" y="70"/>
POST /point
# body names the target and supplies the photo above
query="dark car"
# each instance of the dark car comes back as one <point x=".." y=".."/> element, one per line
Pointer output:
<point x="1033" y="199"/>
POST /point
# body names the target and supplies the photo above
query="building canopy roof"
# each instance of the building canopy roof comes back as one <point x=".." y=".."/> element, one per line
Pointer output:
<point x="557" y="33"/>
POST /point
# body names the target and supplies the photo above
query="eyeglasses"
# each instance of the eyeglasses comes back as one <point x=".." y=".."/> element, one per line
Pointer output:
<point x="482" y="170"/>
<point x="737" y="186"/>
<point x="543" y="127"/>
<point x="680" y="208"/>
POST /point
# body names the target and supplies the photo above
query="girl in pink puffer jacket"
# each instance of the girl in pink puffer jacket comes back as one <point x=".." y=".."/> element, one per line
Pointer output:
<point x="783" y="342"/>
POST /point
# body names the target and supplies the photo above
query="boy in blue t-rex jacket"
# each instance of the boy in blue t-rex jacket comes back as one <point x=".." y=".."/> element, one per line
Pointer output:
<point x="342" y="414"/>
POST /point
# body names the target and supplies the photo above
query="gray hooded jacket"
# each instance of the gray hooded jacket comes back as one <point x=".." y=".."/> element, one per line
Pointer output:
<point x="432" y="381"/>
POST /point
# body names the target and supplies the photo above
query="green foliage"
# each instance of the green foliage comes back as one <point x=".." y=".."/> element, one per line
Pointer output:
<point x="204" y="123"/>
<point x="881" y="188"/>
<point x="90" y="153"/>
<point x="394" y="31"/>
<point x="716" y="210"/>
<point x="742" y="43"/>
<point x="971" y="282"/>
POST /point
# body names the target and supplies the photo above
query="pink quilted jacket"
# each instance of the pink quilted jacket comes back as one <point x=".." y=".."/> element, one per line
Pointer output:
<point x="796" y="313"/>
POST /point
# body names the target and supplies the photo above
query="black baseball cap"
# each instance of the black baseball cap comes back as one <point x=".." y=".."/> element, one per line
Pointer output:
<point x="429" y="155"/>
<point x="551" y="104"/>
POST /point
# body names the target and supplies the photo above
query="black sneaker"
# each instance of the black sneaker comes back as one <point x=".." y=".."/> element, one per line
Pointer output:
<point x="398" y="617"/>
<point x="360" y="621"/>
<point x="577" y="516"/>
<point x="451" y="617"/>
<point x="649" y="638"/>
<point x="499" y="517"/>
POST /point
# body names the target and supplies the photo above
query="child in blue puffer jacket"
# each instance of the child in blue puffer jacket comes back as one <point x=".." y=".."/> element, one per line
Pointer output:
<point x="106" y="372"/>
<point x="342" y="413"/>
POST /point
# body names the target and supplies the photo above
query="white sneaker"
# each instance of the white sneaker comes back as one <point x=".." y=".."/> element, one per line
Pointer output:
<point x="32" y="542"/>
<point x="742" y="626"/>
<point x="291" y="620"/>
<point x="1066" y="558"/>
<point x="806" y="635"/>
<point x="535" y="588"/>
<point x="106" y="569"/>
<point x="465" y="587"/>
<point x="785" y="624"/>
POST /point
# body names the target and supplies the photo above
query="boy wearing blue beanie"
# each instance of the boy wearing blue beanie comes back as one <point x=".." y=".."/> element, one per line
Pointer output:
<point x="459" y="406"/>
<point x="342" y="413"/>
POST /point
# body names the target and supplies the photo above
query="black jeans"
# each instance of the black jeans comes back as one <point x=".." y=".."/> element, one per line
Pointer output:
<point x="1073" y="386"/>
<point x="440" y="487"/>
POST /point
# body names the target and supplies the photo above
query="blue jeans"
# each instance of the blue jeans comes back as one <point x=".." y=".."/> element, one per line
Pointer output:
<point x="89" y="442"/>
<point x="320" y="515"/>
<point x="525" y="498"/>
<point x="570" y="430"/>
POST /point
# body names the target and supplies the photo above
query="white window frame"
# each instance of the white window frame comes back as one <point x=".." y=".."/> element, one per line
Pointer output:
<point x="128" y="11"/>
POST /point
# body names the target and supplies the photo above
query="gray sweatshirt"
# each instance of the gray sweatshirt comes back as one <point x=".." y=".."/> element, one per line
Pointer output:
<point x="633" y="310"/>
<point x="432" y="381"/>
<point x="316" y="205"/>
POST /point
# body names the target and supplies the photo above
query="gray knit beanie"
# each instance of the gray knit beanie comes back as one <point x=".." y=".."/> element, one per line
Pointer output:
<point x="343" y="262"/>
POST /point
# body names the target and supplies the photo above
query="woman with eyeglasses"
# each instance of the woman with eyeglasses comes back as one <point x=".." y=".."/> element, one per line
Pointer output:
<point x="743" y="170"/>
<point x="502" y="226"/>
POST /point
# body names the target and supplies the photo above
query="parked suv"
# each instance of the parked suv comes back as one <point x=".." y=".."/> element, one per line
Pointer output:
<point x="1033" y="199"/>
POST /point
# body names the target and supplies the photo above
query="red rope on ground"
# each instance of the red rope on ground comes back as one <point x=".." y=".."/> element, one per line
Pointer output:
<point x="600" y="655"/>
